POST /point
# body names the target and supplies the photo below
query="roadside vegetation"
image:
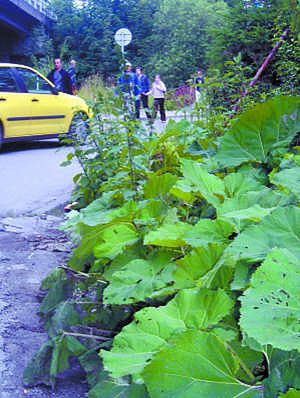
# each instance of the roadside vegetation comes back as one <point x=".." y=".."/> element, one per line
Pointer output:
<point x="184" y="278"/>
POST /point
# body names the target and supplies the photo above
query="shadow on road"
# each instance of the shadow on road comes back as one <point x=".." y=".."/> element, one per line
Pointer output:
<point x="29" y="145"/>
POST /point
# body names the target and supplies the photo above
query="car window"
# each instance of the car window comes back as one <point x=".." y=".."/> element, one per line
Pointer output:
<point x="34" y="83"/>
<point x="7" y="82"/>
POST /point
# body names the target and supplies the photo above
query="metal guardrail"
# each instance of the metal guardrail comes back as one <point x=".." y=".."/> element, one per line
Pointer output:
<point x="43" y="6"/>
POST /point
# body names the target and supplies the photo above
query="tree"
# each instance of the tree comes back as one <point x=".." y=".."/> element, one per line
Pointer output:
<point x="86" y="34"/>
<point x="253" y="27"/>
<point x="182" y="36"/>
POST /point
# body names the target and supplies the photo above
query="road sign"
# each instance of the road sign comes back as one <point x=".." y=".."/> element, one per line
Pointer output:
<point x="123" y="37"/>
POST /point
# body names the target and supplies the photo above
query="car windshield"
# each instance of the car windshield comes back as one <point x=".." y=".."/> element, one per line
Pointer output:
<point x="7" y="81"/>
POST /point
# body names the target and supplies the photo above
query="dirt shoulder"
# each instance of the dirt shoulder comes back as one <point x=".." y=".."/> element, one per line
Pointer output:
<point x="30" y="248"/>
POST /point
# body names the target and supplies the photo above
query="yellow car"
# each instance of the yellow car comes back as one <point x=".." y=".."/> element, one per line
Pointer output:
<point x="32" y="108"/>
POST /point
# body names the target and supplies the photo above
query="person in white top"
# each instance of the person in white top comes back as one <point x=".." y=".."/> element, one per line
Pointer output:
<point x="158" y="91"/>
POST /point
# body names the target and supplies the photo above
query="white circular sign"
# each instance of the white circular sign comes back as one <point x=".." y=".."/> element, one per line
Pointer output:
<point x="123" y="37"/>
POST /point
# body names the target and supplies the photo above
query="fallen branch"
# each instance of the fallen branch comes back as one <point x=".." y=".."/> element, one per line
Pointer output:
<point x="81" y="275"/>
<point x="86" y="336"/>
<point x="259" y="72"/>
<point x="92" y="331"/>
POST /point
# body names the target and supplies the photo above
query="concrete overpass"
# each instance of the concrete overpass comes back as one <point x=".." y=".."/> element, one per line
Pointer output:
<point x="17" y="18"/>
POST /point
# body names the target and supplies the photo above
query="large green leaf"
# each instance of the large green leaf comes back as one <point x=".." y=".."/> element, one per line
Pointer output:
<point x="247" y="199"/>
<point x="91" y="363"/>
<point x="244" y="181"/>
<point x="168" y="235"/>
<point x="83" y="255"/>
<point x="64" y="316"/>
<point x="195" y="364"/>
<point x="64" y="347"/>
<point x="209" y="231"/>
<point x="110" y="389"/>
<point x="270" y="311"/>
<point x="114" y="239"/>
<point x="158" y="185"/>
<point x="291" y="394"/>
<point x="95" y="214"/>
<point x="289" y="179"/>
<point x="150" y="212"/>
<point x="208" y="185"/>
<point x="60" y="290"/>
<point x="153" y="327"/>
<point x="140" y="279"/>
<point x="266" y="127"/>
<point x="51" y="359"/>
<point x="279" y="229"/>
<point x="184" y="191"/>
<point x="37" y="370"/>
<point x="197" y="264"/>
<point x="131" y="253"/>
<point x="283" y="370"/>
<point x="250" y="207"/>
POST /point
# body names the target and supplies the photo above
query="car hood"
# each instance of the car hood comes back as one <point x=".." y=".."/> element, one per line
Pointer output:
<point x="79" y="103"/>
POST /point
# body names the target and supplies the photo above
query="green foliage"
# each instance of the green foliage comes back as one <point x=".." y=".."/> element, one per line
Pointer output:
<point x="209" y="231"/>
<point x="283" y="372"/>
<point x="187" y="29"/>
<point x="86" y="33"/>
<point x="252" y="138"/>
<point x="195" y="364"/>
<point x="109" y="389"/>
<point x="280" y="229"/>
<point x="291" y="394"/>
<point x="140" y="279"/>
<point x="38" y="47"/>
<point x="184" y="281"/>
<point x="272" y="302"/>
<point x="288" y="179"/>
<point x="152" y="328"/>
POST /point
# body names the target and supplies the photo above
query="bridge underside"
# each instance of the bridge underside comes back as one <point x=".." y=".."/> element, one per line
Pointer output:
<point x="17" y="19"/>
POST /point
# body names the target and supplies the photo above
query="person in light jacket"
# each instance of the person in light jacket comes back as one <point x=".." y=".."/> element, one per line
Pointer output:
<point x="158" y="91"/>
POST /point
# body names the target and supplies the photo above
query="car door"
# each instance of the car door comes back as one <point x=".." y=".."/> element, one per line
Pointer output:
<point x="15" y="112"/>
<point x="48" y="109"/>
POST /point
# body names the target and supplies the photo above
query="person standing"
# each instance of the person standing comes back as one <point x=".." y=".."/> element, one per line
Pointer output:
<point x="129" y="87"/>
<point x="72" y="74"/>
<point x="60" y="78"/>
<point x="144" y="88"/>
<point x="128" y="82"/>
<point x="198" y="81"/>
<point x="158" y="91"/>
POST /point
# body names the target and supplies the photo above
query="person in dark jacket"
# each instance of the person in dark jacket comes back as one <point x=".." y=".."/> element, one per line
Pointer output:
<point x="128" y="82"/>
<point x="60" y="78"/>
<point x="144" y="86"/>
<point x="129" y="88"/>
<point x="72" y="74"/>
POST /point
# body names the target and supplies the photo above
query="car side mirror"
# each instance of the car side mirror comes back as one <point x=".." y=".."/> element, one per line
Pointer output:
<point x="54" y="91"/>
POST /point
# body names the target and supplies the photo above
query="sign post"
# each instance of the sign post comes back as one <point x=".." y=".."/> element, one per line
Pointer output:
<point x="123" y="37"/>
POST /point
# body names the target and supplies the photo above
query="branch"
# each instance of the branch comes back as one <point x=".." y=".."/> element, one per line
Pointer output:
<point x="81" y="275"/>
<point x="86" y="336"/>
<point x="260" y="71"/>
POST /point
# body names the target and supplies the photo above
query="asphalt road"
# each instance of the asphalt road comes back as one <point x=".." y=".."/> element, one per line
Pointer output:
<point x="31" y="177"/>
<point x="31" y="246"/>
